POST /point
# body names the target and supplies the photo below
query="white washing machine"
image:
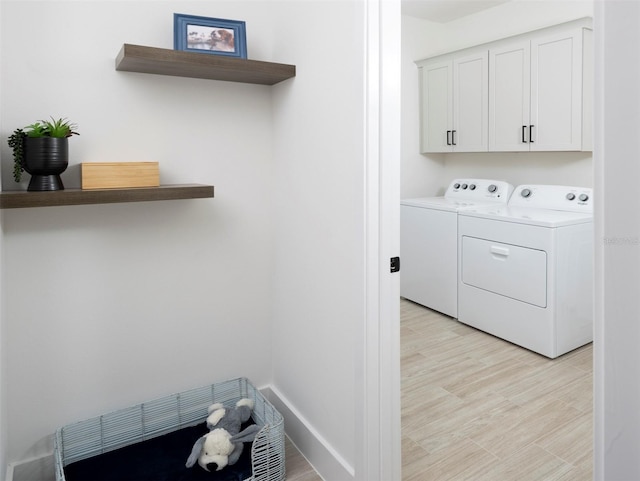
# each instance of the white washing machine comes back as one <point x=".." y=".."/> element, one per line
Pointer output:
<point x="429" y="237"/>
<point x="526" y="269"/>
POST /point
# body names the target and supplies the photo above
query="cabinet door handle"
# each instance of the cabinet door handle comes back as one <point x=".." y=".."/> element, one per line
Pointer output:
<point x="453" y="137"/>
<point x="531" y="133"/>
<point x="449" y="137"/>
<point x="524" y="128"/>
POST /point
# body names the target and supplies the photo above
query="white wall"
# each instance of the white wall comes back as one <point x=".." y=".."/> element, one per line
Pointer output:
<point x="318" y="271"/>
<point x="109" y="305"/>
<point x="617" y="333"/>
<point x="424" y="39"/>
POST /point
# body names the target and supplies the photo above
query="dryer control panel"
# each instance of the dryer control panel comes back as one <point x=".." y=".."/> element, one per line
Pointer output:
<point x="554" y="197"/>
<point x="485" y="190"/>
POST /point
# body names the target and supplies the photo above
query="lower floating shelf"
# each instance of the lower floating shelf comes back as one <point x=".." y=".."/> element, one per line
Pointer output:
<point x="19" y="199"/>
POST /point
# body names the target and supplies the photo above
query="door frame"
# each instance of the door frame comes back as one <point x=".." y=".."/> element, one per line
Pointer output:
<point x="379" y="452"/>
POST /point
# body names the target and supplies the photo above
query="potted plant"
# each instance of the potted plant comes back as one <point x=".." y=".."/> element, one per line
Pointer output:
<point x="42" y="150"/>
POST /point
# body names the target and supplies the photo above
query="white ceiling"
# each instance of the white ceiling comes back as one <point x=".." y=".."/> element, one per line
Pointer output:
<point x="443" y="11"/>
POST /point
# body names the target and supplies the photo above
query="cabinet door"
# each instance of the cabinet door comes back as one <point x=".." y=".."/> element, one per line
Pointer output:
<point x="470" y="103"/>
<point x="556" y="92"/>
<point x="436" y="106"/>
<point x="509" y="97"/>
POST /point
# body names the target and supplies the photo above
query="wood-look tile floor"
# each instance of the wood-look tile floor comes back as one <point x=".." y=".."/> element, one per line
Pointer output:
<point x="298" y="468"/>
<point x="475" y="407"/>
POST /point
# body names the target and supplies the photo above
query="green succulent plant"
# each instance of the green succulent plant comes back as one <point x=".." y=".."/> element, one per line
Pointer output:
<point x="58" y="128"/>
<point x="51" y="128"/>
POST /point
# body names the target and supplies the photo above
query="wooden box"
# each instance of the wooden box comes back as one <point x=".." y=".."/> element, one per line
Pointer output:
<point x="119" y="175"/>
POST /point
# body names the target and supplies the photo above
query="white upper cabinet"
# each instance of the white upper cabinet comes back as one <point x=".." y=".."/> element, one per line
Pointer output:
<point x="454" y="98"/>
<point x="531" y="92"/>
<point x="537" y="94"/>
<point x="470" y="103"/>
<point x="559" y="99"/>
<point x="436" y="110"/>
<point x="509" y="87"/>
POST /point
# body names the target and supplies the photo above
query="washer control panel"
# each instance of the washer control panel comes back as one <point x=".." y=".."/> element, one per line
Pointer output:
<point x="554" y="197"/>
<point x="479" y="190"/>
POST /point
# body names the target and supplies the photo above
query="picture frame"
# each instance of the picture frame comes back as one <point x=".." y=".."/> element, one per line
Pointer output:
<point x="216" y="36"/>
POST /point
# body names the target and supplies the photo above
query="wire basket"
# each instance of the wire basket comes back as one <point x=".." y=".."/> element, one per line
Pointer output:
<point x="135" y="424"/>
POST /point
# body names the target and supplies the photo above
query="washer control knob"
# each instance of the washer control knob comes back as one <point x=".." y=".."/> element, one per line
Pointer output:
<point x="472" y="187"/>
<point x="571" y="196"/>
<point x="525" y="193"/>
<point x="583" y="197"/>
<point x="464" y="186"/>
<point x="456" y="186"/>
<point x="492" y="188"/>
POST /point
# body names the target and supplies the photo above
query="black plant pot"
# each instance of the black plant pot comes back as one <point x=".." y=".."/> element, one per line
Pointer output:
<point x="45" y="158"/>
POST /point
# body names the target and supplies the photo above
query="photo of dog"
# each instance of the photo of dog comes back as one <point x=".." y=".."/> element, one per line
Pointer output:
<point x="222" y="39"/>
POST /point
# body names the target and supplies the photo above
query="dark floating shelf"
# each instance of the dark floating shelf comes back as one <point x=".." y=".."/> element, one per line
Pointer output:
<point x="19" y="199"/>
<point x="137" y="58"/>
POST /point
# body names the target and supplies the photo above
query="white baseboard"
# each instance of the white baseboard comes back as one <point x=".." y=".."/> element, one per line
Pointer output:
<point x="320" y="454"/>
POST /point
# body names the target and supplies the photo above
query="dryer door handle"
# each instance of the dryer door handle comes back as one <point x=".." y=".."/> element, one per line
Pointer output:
<point x="500" y="251"/>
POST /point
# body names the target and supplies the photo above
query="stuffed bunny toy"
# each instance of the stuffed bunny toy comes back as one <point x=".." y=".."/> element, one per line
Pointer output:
<point x="223" y="444"/>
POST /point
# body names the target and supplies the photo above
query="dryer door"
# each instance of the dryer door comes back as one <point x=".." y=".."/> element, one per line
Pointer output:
<point x="516" y="272"/>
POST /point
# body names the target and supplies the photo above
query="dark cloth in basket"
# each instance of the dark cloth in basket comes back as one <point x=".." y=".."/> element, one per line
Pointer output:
<point x="158" y="459"/>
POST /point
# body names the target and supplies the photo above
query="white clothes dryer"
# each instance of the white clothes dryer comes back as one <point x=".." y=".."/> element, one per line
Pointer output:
<point x="526" y="269"/>
<point x="429" y="236"/>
